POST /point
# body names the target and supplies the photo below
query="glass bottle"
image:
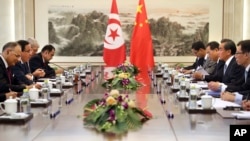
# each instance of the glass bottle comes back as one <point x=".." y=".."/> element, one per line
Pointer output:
<point x="192" y="98"/>
<point x="46" y="89"/>
<point x="25" y="102"/>
<point x="58" y="83"/>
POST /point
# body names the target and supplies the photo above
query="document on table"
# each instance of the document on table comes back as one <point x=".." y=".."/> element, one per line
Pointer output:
<point x="213" y="93"/>
<point x="219" y="103"/>
<point x="242" y="115"/>
<point x="201" y="70"/>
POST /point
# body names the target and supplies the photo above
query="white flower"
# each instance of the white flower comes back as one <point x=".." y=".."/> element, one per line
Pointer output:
<point x="131" y="103"/>
<point x="115" y="93"/>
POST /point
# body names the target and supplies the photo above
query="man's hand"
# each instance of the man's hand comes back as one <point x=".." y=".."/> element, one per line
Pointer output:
<point x="227" y="96"/>
<point x="214" y="86"/>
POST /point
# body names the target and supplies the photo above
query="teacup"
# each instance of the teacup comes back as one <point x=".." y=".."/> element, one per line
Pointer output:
<point x="62" y="79"/>
<point x="34" y="93"/>
<point x="10" y="106"/>
<point x="50" y="83"/>
<point x="206" y="101"/>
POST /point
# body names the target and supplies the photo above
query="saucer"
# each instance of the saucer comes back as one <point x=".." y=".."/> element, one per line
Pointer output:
<point x="55" y="90"/>
<point x="178" y="94"/>
<point x="18" y="115"/>
<point x="39" y="101"/>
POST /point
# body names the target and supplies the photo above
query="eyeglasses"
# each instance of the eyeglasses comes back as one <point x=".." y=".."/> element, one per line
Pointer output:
<point x="17" y="55"/>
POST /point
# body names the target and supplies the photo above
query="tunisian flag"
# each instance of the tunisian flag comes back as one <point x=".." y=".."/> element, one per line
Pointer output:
<point x="141" y="49"/>
<point x="114" y="51"/>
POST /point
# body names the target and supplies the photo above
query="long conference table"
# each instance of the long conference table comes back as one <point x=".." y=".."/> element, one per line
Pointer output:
<point x="68" y="125"/>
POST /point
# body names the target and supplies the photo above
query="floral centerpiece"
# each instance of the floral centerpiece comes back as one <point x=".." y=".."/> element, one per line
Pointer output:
<point x="114" y="113"/>
<point x="123" y="78"/>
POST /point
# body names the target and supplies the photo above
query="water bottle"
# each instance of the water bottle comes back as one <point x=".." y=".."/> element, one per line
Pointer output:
<point x="58" y="83"/>
<point x="25" y="102"/>
<point x="192" y="98"/>
<point x="46" y="90"/>
<point x="182" y="88"/>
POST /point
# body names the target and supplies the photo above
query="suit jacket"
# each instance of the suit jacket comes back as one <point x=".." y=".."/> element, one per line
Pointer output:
<point x="20" y="70"/>
<point x="234" y="74"/>
<point x="241" y="87"/>
<point x="36" y="62"/>
<point x="217" y="74"/>
<point x="5" y="84"/>
<point x="198" y="62"/>
<point x="209" y="66"/>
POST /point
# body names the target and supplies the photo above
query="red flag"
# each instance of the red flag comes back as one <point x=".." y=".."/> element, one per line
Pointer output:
<point x="141" y="49"/>
<point x="114" y="52"/>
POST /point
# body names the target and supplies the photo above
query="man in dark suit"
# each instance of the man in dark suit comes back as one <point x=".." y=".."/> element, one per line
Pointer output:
<point x="202" y="60"/>
<point x="213" y="53"/>
<point x="240" y="91"/>
<point x="232" y="72"/>
<point x="21" y="70"/>
<point x="41" y="61"/>
<point x="11" y="52"/>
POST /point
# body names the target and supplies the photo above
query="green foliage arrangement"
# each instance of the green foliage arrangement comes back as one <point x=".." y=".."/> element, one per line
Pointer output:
<point x="123" y="78"/>
<point x="114" y="113"/>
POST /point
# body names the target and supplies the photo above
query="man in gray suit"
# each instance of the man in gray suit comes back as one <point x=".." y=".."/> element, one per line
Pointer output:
<point x="202" y="60"/>
<point x="211" y="65"/>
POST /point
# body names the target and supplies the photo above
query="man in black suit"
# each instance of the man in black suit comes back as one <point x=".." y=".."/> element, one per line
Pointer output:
<point x="41" y="61"/>
<point x="240" y="91"/>
<point x="11" y="52"/>
<point x="202" y="60"/>
<point x="213" y="53"/>
<point x="21" y="70"/>
<point x="232" y="72"/>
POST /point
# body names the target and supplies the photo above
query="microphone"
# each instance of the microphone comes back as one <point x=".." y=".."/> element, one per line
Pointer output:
<point x="58" y="66"/>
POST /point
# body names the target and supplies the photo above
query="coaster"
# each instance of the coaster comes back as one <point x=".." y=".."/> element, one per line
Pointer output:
<point x="56" y="94"/>
<point x="67" y="85"/>
<point x="17" y="118"/>
<point x="40" y="103"/>
<point x="182" y="98"/>
<point x="199" y="109"/>
<point x="158" y="74"/>
<point x="175" y="89"/>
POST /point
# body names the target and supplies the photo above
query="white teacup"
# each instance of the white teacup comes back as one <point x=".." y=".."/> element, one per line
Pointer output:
<point x="50" y="85"/>
<point x="206" y="101"/>
<point x="10" y="106"/>
<point x="62" y="79"/>
<point x="34" y="93"/>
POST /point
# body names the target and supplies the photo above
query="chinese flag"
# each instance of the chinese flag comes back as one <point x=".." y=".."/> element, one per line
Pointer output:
<point x="114" y="51"/>
<point x="141" y="49"/>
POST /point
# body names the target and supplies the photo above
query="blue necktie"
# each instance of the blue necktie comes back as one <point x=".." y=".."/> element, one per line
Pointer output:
<point x="225" y="68"/>
<point x="246" y="72"/>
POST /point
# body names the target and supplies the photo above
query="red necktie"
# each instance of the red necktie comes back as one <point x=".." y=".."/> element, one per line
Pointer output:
<point x="9" y="74"/>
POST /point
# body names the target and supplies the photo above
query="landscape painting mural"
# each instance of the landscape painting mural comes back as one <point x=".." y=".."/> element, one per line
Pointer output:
<point x="79" y="30"/>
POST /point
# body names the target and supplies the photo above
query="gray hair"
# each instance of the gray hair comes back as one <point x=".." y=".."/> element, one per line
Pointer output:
<point x="33" y="42"/>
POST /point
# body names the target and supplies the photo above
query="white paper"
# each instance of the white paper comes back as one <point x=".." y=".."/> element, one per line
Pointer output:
<point x="242" y="115"/>
<point x="219" y="103"/>
<point x="201" y="70"/>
